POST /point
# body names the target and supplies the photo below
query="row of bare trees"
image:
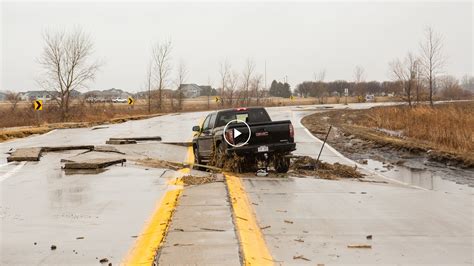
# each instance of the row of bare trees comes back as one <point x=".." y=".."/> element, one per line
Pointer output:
<point x="413" y="70"/>
<point x="235" y="88"/>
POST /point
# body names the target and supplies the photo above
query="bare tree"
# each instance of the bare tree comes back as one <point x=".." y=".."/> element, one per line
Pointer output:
<point x="209" y="93"/>
<point x="320" y="85"/>
<point x="359" y="74"/>
<point x="180" y="79"/>
<point x="256" y="84"/>
<point x="359" y="78"/>
<point x="224" y="72"/>
<point x="13" y="98"/>
<point x="65" y="61"/>
<point x="432" y="58"/>
<point x="232" y="81"/>
<point x="406" y="72"/>
<point x="247" y="78"/>
<point x="162" y="67"/>
<point x="149" y="83"/>
<point x="320" y="76"/>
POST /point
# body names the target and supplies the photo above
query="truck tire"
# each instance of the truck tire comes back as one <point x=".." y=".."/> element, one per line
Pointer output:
<point x="281" y="164"/>
<point x="220" y="155"/>
<point x="197" y="159"/>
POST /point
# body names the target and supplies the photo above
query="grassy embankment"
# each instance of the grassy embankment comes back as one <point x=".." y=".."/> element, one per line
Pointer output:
<point x="443" y="132"/>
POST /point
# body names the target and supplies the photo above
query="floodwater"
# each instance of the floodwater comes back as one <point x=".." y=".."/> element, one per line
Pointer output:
<point x="431" y="178"/>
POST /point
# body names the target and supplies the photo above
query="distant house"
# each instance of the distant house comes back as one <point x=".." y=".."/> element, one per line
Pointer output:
<point x="37" y="95"/>
<point x="192" y="90"/>
<point x="3" y="96"/>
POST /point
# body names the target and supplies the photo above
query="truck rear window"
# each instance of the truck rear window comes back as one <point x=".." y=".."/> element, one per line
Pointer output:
<point x="249" y="116"/>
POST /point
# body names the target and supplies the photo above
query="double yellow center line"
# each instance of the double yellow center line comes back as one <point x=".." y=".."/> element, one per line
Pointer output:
<point x="252" y="244"/>
<point x="150" y="240"/>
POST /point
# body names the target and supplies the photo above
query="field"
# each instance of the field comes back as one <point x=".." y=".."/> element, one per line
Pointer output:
<point x="447" y="126"/>
<point x="81" y="111"/>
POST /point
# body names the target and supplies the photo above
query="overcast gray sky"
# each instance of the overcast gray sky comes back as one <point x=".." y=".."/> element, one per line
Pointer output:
<point x="295" y="39"/>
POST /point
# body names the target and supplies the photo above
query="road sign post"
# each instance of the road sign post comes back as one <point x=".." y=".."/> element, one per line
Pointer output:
<point x="217" y="100"/>
<point x="38" y="106"/>
<point x="130" y="102"/>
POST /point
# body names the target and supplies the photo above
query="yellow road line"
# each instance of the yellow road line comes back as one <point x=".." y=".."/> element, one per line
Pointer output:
<point x="152" y="236"/>
<point x="252" y="243"/>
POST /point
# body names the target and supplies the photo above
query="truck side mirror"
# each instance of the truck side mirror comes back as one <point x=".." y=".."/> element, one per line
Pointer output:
<point x="196" y="128"/>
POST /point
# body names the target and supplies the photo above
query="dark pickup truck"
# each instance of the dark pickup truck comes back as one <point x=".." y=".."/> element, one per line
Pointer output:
<point x="223" y="134"/>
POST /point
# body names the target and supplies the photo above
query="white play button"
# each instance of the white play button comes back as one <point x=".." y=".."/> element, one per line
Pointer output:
<point x="236" y="133"/>
<point x="232" y="141"/>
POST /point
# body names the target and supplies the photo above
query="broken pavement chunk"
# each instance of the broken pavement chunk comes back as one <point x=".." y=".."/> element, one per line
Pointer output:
<point x="92" y="164"/>
<point x="131" y="140"/>
<point x="120" y="142"/>
<point x="25" y="154"/>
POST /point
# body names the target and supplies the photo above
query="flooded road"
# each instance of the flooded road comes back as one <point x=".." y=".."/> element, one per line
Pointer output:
<point x="413" y="217"/>
<point x="443" y="180"/>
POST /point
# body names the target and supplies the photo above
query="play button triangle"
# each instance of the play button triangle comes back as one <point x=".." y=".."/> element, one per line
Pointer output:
<point x="236" y="133"/>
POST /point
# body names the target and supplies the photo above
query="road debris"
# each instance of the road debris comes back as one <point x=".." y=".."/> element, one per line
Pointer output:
<point x="359" y="246"/>
<point x="288" y="221"/>
<point x="53" y="247"/>
<point x="300" y="257"/>
<point x="212" y="229"/>
<point x="34" y="153"/>
<point x="92" y="163"/>
<point x="197" y="180"/>
<point x="308" y="166"/>
<point x="299" y="240"/>
<point x="67" y="148"/>
<point x="157" y="163"/>
<point x="120" y="142"/>
<point x="265" y="227"/>
<point x="25" y="154"/>
<point x="131" y="140"/>
<point x="369" y="237"/>
<point x="104" y="260"/>
<point x="80" y="237"/>
<point x="105" y="148"/>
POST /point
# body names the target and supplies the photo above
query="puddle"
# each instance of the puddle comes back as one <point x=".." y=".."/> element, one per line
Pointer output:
<point x="452" y="181"/>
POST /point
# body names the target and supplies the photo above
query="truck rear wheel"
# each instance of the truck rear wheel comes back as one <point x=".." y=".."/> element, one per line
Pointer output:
<point x="281" y="163"/>
<point x="220" y="155"/>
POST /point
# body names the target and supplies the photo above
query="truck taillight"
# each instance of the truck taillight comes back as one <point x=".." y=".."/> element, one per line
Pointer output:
<point x="229" y="135"/>
<point x="292" y="131"/>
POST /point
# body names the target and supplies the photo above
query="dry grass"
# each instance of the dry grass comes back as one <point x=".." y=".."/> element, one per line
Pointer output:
<point x="447" y="126"/>
<point x="25" y="131"/>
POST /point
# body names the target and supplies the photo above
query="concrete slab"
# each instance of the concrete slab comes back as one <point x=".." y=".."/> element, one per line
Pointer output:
<point x="25" y="154"/>
<point x="92" y="163"/>
<point x="67" y="148"/>
<point x="202" y="231"/>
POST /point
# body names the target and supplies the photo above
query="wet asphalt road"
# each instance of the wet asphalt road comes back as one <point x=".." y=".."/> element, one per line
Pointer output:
<point x="41" y="204"/>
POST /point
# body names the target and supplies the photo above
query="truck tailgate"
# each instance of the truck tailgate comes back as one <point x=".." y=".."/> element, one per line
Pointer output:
<point x="266" y="132"/>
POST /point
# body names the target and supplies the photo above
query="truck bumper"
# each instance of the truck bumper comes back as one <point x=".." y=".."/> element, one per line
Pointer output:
<point x="253" y="150"/>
